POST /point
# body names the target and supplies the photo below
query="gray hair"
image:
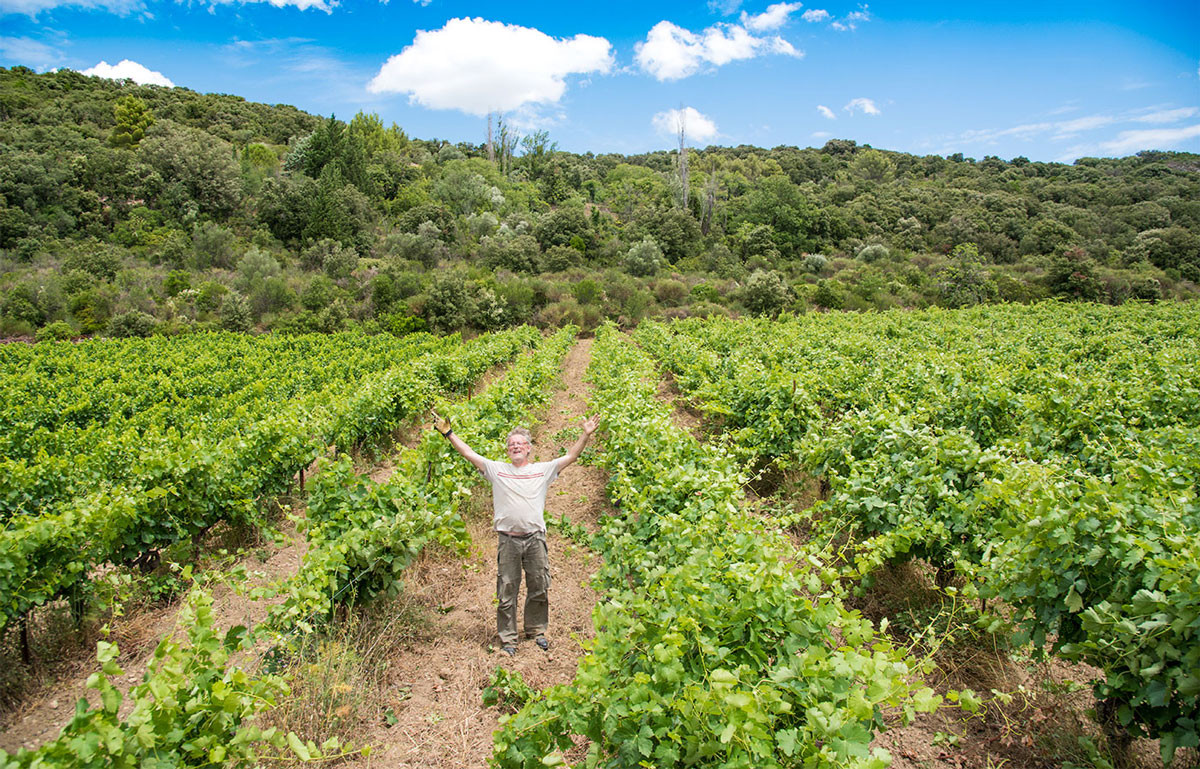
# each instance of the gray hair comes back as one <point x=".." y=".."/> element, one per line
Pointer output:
<point x="521" y="431"/>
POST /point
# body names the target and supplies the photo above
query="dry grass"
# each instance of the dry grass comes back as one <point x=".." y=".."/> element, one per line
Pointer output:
<point x="339" y="677"/>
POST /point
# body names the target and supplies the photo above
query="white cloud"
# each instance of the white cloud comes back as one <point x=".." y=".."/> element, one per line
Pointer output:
<point x="1149" y="139"/>
<point x="476" y="66"/>
<point x="821" y="134"/>
<point x="866" y="106"/>
<point x="123" y="7"/>
<point x="826" y="112"/>
<point x="697" y="126"/>
<point x="34" y="7"/>
<point x="815" y="15"/>
<point x="774" y="17"/>
<point x="126" y="69"/>
<point x="1167" y="116"/>
<point x="1126" y="141"/>
<point x="670" y="52"/>
<point x="852" y="19"/>
<point x="28" y="52"/>
<point x="303" y="5"/>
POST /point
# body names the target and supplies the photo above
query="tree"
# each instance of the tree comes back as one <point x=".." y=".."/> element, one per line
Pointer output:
<point x="964" y="282"/>
<point x="449" y="305"/>
<point x="781" y="204"/>
<point x="133" y="118"/>
<point x="194" y="170"/>
<point x="765" y="292"/>
<point x="644" y="259"/>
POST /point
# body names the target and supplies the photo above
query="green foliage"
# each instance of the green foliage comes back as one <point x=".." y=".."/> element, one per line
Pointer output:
<point x="236" y="314"/>
<point x="964" y="282"/>
<point x="193" y="706"/>
<point x="132" y="119"/>
<point x="1047" y="454"/>
<point x="132" y="323"/>
<point x="765" y="293"/>
<point x="58" y="331"/>
<point x="644" y="259"/>
<point x="449" y="305"/>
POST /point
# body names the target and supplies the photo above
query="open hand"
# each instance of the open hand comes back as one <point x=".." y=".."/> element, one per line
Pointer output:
<point x="440" y="423"/>
<point x="590" y="424"/>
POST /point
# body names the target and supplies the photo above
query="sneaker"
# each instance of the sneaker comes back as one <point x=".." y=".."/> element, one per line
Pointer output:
<point x="542" y="643"/>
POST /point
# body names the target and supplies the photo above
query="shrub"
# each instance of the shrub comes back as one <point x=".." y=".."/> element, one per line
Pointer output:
<point x="400" y="324"/>
<point x="560" y="258"/>
<point x="814" y="263"/>
<point x="586" y="291"/>
<point x="705" y="292"/>
<point x="210" y="295"/>
<point x="176" y="281"/>
<point x="873" y="253"/>
<point x="235" y="313"/>
<point x="449" y="305"/>
<point x="58" y="331"/>
<point x="132" y="323"/>
<point x="99" y="261"/>
<point x="765" y="293"/>
<point x="829" y="294"/>
<point x="644" y="259"/>
<point x="670" y="293"/>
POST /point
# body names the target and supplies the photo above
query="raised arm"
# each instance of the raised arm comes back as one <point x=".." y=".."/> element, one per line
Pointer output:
<point x="589" y="426"/>
<point x="442" y="425"/>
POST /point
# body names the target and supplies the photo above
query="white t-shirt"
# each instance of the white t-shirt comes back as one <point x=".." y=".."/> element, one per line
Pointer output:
<point x="519" y="495"/>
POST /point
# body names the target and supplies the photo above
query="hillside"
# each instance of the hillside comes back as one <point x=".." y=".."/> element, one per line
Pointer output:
<point x="129" y="210"/>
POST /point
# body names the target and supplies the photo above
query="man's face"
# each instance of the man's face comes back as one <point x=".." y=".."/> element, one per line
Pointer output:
<point x="518" y="450"/>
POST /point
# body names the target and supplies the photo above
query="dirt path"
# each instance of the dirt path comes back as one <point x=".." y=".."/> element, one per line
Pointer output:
<point x="436" y="687"/>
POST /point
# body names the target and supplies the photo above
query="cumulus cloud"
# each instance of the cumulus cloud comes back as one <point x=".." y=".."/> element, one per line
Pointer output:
<point x="126" y="69"/>
<point x="697" y="126"/>
<point x="670" y="52"/>
<point x="477" y="66"/>
<point x="865" y="106"/>
<point x="774" y="17"/>
<point x="814" y="15"/>
<point x="826" y="112"/>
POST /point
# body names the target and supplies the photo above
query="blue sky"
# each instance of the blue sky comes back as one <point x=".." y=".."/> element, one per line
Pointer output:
<point x="1052" y="81"/>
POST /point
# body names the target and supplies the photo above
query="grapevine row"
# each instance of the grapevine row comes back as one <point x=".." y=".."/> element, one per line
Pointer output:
<point x="194" y="484"/>
<point x="363" y="534"/>
<point x="712" y="649"/>
<point x="1057" y="484"/>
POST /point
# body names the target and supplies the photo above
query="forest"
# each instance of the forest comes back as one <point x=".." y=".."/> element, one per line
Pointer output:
<point x="130" y="210"/>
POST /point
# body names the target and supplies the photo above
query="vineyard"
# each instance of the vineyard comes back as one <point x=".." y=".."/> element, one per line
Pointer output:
<point x="1037" y="466"/>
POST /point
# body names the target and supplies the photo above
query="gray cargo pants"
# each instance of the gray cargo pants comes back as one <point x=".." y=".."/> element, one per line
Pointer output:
<point x="514" y="555"/>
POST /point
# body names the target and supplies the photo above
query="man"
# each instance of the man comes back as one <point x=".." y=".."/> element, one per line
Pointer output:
<point x="519" y="504"/>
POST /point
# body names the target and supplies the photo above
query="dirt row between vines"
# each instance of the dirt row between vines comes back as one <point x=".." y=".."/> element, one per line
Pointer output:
<point x="437" y="713"/>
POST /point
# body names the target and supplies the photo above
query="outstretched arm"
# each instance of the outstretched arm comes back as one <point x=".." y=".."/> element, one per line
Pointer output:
<point x="442" y="425"/>
<point x="589" y="426"/>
